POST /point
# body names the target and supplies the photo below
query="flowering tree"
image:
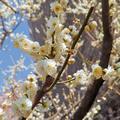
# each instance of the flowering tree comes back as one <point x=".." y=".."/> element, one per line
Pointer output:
<point x="36" y="96"/>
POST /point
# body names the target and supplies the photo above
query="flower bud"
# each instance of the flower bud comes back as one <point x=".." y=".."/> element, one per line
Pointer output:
<point x="71" y="61"/>
<point x="93" y="25"/>
<point x="87" y="28"/>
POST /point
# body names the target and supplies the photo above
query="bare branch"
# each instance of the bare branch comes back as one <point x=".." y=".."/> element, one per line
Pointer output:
<point x="41" y="92"/>
<point x="94" y="87"/>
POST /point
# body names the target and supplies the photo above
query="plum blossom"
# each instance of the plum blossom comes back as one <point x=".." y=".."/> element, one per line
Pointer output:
<point x="57" y="8"/>
<point x="22" y="106"/>
<point x="97" y="71"/>
<point x="80" y="77"/>
<point x="46" y="67"/>
<point x="109" y="73"/>
<point x="30" y="89"/>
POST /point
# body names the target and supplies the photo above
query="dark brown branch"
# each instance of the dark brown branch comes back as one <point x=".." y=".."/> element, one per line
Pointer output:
<point x="72" y="47"/>
<point x="44" y="89"/>
<point x="6" y="4"/>
<point x="94" y="87"/>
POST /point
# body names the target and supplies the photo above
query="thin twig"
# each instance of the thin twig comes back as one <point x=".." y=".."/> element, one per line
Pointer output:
<point x="6" y="4"/>
<point x="7" y="33"/>
<point x="86" y="61"/>
<point x="67" y="81"/>
<point x="70" y="109"/>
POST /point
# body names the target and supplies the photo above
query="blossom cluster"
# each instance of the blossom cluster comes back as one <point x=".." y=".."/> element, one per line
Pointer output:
<point x="58" y="41"/>
<point x="50" y="56"/>
<point x="22" y="103"/>
<point x="83" y="76"/>
<point x="29" y="8"/>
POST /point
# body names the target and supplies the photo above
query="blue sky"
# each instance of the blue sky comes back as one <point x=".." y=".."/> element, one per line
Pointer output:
<point x="8" y="51"/>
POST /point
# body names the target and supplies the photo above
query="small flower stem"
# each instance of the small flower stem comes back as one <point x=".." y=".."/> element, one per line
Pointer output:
<point x="67" y="81"/>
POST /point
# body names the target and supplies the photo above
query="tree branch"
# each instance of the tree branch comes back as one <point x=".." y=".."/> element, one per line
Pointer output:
<point x="6" y="4"/>
<point x="47" y="88"/>
<point x="72" y="47"/>
<point x="94" y="87"/>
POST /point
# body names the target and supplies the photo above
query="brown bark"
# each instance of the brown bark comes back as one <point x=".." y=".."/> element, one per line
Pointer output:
<point x="94" y="87"/>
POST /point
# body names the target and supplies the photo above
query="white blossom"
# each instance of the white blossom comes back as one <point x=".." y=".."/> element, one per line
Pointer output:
<point x="52" y="22"/>
<point x="46" y="67"/>
<point x="109" y="73"/>
<point x="30" y="88"/>
<point x="80" y="77"/>
<point x="22" y="106"/>
<point x="57" y="7"/>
